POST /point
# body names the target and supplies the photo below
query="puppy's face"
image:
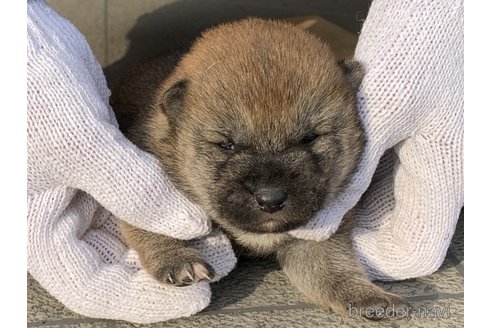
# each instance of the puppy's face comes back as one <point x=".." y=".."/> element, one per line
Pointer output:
<point x="262" y="131"/>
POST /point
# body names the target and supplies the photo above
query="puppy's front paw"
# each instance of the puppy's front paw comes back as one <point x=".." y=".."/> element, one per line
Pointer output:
<point x="184" y="273"/>
<point x="168" y="260"/>
<point x="180" y="267"/>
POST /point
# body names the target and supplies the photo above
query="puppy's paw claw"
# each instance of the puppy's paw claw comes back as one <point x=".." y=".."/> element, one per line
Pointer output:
<point x="185" y="273"/>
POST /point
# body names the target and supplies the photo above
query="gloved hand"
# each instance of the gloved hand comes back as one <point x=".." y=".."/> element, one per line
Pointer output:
<point x="79" y="165"/>
<point x="411" y="99"/>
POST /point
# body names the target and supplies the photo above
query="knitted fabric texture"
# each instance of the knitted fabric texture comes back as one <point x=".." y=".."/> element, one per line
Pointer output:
<point x="79" y="165"/>
<point x="411" y="104"/>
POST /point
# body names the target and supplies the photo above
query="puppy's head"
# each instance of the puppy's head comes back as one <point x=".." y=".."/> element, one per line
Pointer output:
<point x="258" y="125"/>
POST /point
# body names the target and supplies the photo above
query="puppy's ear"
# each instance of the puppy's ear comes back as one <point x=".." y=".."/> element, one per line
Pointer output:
<point x="172" y="100"/>
<point x="354" y="72"/>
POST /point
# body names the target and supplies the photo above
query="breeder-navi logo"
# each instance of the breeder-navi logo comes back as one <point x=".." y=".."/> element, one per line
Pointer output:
<point x="400" y="312"/>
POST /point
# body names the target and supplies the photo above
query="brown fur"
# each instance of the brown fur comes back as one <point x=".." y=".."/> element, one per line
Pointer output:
<point x="254" y="104"/>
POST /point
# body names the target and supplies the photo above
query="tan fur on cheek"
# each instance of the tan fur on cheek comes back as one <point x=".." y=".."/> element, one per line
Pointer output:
<point x="158" y="126"/>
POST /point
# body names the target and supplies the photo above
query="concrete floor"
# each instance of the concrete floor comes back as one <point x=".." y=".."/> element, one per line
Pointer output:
<point x="256" y="294"/>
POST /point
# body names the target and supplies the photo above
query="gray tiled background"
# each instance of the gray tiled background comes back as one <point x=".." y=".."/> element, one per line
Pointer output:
<point x="256" y="294"/>
<point x="122" y="32"/>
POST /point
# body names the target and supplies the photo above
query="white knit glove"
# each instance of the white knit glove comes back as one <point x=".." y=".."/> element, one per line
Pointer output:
<point x="411" y="99"/>
<point x="77" y="161"/>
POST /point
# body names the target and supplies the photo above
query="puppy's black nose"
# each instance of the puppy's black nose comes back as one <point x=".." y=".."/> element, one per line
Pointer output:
<point x="271" y="200"/>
